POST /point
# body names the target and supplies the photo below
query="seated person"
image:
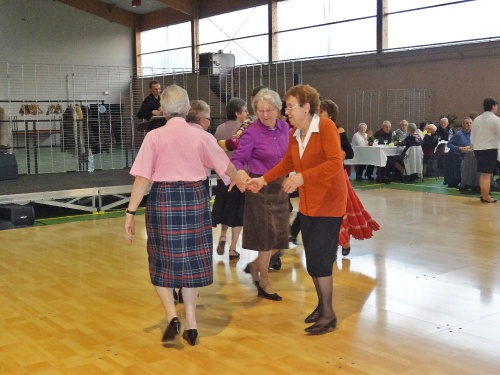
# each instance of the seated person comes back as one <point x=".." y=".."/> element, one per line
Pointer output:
<point x="459" y="144"/>
<point x="429" y="144"/>
<point x="402" y="132"/>
<point x="384" y="134"/>
<point x="412" y="139"/>
<point x="361" y="139"/>
<point x="444" y="131"/>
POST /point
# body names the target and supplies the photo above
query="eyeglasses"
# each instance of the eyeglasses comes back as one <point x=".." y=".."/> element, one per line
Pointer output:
<point x="289" y="108"/>
<point x="267" y="111"/>
<point x="207" y="118"/>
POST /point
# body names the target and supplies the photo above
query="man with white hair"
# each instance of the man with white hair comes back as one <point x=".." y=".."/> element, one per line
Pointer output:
<point x="444" y="131"/>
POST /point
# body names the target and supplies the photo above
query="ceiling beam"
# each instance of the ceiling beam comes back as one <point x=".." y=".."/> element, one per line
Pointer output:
<point x="161" y="18"/>
<point x="184" y="6"/>
<point x="106" y="11"/>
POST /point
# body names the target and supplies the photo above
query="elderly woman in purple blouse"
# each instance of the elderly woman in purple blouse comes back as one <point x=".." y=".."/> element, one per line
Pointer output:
<point x="266" y="214"/>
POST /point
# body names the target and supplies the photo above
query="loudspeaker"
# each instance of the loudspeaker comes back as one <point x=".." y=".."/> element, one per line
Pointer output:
<point x="5" y="224"/>
<point x="8" y="167"/>
<point x="18" y="215"/>
<point x="216" y="63"/>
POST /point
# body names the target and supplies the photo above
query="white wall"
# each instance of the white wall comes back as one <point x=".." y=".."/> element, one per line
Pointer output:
<point x="49" y="32"/>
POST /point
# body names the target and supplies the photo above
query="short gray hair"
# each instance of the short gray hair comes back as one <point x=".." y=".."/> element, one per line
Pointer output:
<point x="361" y="125"/>
<point x="267" y="96"/>
<point x="412" y="127"/>
<point x="174" y="101"/>
<point x="197" y="107"/>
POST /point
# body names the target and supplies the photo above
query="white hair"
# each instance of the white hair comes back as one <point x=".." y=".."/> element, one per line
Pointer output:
<point x="361" y="125"/>
<point x="174" y="100"/>
<point x="268" y="96"/>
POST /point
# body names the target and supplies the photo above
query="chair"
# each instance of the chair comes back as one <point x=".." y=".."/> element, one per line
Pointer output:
<point x="434" y="162"/>
<point x="413" y="162"/>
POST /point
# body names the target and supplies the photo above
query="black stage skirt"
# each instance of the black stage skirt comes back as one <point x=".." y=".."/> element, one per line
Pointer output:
<point x="266" y="218"/>
<point x="228" y="206"/>
<point x="179" y="230"/>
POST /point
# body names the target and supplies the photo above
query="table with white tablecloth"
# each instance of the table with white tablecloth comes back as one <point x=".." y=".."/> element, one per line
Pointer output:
<point x="373" y="155"/>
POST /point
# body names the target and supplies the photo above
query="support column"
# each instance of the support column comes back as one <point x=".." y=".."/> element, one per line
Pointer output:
<point x="273" y="30"/>
<point x="382" y="25"/>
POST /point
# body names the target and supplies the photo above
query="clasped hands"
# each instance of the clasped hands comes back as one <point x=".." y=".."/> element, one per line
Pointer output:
<point x="290" y="184"/>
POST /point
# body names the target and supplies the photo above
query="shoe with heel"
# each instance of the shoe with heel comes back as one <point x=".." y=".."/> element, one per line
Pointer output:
<point x="191" y="336"/>
<point x="173" y="329"/>
<point x="319" y="329"/>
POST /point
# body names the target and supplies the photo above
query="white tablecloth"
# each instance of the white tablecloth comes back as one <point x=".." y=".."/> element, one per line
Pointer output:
<point x="373" y="155"/>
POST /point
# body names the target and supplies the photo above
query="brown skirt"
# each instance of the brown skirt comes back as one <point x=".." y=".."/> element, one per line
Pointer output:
<point x="266" y="218"/>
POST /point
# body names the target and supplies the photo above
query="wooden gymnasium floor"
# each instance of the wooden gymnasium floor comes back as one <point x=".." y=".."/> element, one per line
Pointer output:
<point x="421" y="297"/>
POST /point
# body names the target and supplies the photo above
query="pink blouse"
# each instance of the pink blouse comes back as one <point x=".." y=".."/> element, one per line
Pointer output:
<point x="178" y="152"/>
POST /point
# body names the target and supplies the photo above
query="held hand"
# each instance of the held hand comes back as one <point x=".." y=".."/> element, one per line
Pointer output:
<point x="241" y="182"/>
<point x="242" y="186"/>
<point x="255" y="184"/>
<point x="243" y="175"/>
<point x="292" y="183"/>
<point x="129" y="228"/>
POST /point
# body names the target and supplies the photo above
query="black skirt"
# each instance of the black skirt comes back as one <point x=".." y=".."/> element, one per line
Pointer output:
<point x="228" y="206"/>
<point x="486" y="160"/>
<point x="320" y="236"/>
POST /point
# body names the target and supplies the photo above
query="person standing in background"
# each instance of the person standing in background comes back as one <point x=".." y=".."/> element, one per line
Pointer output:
<point x="151" y="105"/>
<point x="228" y="206"/>
<point x="485" y="140"/>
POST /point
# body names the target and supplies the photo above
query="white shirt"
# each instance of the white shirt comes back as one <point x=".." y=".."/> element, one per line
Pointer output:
<point x="359" y="140"/>
<point x="313" y="128"/>
<point x="485" y="132"/>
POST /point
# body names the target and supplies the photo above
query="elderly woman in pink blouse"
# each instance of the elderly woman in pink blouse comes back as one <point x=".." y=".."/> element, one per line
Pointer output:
<point x="265" y="215"/>
<point x="178" y="224"/>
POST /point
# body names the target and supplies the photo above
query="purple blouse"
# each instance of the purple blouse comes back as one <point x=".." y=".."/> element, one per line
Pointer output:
<point x="260" y="147"/>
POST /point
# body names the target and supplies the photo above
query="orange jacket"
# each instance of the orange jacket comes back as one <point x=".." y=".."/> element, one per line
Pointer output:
<point x="324" y="192"/>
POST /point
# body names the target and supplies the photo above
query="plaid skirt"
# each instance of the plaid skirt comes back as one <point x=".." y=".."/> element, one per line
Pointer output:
<point x="179" y="230"/>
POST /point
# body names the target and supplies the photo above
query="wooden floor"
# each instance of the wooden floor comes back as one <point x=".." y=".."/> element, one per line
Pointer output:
<point x="421" y="297"/>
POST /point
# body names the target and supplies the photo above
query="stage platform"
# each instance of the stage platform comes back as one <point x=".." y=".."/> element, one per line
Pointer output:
<point x="68" y="189"/>
<point x="82" y="191"/>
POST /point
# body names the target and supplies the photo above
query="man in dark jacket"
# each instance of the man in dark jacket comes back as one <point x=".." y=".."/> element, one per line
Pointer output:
<point x="151" y="105"/>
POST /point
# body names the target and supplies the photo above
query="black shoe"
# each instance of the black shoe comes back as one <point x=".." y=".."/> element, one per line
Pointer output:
<point x="234" y="256"/>
<point x="181" y="300"/>
<point x="275" y="261"/>
<point x="190" y="335"/>
<point x="173" y="329"/>
<point x="176" y="297"/>
<point x="318" y="329"/>
<point x="486" y="201"/>
<point x="264" y="294"/>
<point x="313" y="317"/>
<point x="293" y="240"/>
<point x="359" y="178"/>
<point x="346" y="251"/>
<point x="275" y="265"/>
<point x="369" y="177"/>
